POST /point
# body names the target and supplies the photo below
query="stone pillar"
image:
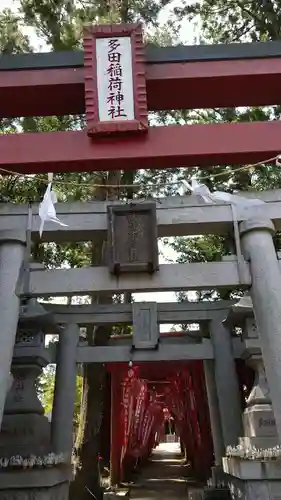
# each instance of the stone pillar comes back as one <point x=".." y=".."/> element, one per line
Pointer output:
<point x="227" y="383"/>
<point x="214" y="411"/>
<point x="65" y="390"/>
<point x="258" y="248"/>
<point x="12" y="245"/>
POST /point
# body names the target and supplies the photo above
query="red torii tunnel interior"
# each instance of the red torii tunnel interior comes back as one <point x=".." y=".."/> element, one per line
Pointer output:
<point x="147" y="396"/>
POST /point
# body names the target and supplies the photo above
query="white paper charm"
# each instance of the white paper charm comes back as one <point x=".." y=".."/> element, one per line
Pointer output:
<point x="47" y="211"/>
<point x="220" y="196"/>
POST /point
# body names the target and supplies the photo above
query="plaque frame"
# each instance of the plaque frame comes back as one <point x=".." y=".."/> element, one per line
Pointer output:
<point x="115" y="266"/>
<point x="95" y="127"/>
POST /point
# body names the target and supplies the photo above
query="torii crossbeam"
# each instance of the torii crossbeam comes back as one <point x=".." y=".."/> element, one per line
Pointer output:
<point x="182" y="77"/>
<point x="176" y="77"/>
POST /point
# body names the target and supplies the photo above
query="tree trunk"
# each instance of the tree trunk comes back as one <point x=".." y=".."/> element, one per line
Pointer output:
<point x="86" y="462"/>
<point x="87" y="481"/>
<point x="88" y="447"/>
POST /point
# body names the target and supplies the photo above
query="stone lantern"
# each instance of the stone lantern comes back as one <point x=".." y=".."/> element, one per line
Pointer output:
<point x="28" y="467"/>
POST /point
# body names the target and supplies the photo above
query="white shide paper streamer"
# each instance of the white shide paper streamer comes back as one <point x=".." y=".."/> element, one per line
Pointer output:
<point x="47" y="211"/>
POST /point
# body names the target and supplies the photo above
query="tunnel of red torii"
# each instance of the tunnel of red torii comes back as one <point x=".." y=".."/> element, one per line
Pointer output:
<point x="143" y="393"/>
<point x="144" y="396"/>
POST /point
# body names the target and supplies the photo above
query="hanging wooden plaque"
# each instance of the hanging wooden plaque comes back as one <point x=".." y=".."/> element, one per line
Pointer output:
<point x="115" y="83"/>
<point x="132" y="238"/>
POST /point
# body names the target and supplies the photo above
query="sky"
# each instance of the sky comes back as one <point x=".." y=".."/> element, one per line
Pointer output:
<point x="188" y="35"/>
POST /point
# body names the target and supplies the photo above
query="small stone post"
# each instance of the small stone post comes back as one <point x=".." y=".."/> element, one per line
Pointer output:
<point x="215" y="418"/>
<point x="227" y="383"/>
<point x="65" y="390"/>
<point x="258" y="419"/>
<point x="259" y="423"/>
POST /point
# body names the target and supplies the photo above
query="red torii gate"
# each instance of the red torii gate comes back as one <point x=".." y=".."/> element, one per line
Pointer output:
<point x="176" y="78"/>
<point x="172" y="78"/>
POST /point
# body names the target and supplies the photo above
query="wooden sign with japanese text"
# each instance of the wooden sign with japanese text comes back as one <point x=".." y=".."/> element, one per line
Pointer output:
<point x="132" y="238"/>
<point x="115" y="84"/>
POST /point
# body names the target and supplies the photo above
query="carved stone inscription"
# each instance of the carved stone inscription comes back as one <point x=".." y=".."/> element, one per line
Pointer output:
<point x="16" y="431"/>
<point x="132" y="245"/>
<point x="19" y="387"/>
<point x="269" y="422"/>
<point x="133" y="238"/>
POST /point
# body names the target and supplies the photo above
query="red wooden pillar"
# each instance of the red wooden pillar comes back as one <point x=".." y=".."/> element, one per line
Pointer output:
<point x="115" y="429"/>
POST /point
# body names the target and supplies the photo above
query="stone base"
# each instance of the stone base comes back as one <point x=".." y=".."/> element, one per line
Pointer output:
<point x="259" y="421"/>
<point x="253" y="480"/>
<point x="59" y="492"/>
<point x="117" y="494"/>
<point x="252" y="469"/>
<point x="24" y="435"/>
<point x="260" y="443"/>
<point x="19" y="479"/>
<point x="216" y="494"/>
<point x="217" y="475"/>
<point x="255" y="490"/>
